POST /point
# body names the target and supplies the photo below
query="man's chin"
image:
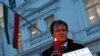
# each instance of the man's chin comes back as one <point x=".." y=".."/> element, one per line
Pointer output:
<point x="62" y="40"/>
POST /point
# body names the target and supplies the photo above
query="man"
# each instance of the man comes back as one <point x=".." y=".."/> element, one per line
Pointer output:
<point x="59" y="29"/>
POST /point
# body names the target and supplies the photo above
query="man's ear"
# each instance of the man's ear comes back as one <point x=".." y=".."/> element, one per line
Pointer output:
<point x="52" y="35"/>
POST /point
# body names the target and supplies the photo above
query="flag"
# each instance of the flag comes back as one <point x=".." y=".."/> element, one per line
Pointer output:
<point x="11" y="23"/>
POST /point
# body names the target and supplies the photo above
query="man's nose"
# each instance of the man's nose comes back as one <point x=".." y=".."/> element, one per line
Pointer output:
<point x="61" y="31"/>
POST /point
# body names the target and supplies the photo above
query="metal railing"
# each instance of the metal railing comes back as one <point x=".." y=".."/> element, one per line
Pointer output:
<point x="40" y="38"/>
<point x="37" y="41"/>
<point x="88" y="34"/>
<point x="93" y="29"/>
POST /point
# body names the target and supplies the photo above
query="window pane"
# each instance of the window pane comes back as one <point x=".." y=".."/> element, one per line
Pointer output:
<point x="12" y="3"/>
<point x="98" y="11"/>
<point x="90" y="2"/>
<point x="33" y="30"/>
<point x="93" y="10"/>
<point x="49" y="20"/>
<point x="91" y="16"/>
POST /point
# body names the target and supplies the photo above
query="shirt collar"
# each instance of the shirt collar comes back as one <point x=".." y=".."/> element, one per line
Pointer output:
<point x="65" y="44"/>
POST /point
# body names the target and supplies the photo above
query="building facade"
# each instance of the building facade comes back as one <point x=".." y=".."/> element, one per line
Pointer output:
<point x="82" y="17"/>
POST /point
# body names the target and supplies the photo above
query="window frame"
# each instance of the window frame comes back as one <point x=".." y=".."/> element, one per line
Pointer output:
<point x="48" y="17"/>
<point x="30" y="33"/>
<point x="94" y="9"/>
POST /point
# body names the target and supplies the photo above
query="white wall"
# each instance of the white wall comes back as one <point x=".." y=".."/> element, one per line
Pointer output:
<point x="7" y="48"/>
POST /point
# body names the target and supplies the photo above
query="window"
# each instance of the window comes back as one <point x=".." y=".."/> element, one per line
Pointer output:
<point x="12" y="3"/>
<point x="26" y="0"/>
<point x="98" y="11"/>
<point x="93" y="10"/>
<point x="89" y="3"/>
<point x="49" y="20"/>
<point x="91" y="16"/>
<point x="20" y="49"/>
<point x="33" y="30"/>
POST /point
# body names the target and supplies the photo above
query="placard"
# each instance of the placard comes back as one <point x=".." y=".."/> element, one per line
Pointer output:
<point x="80" y="52"/>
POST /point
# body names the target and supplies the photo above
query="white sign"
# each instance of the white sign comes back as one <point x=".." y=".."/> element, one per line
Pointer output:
<point x="79" y="52"/>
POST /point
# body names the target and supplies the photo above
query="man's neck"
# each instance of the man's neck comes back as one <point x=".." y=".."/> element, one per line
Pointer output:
<point x="62" y="43"/>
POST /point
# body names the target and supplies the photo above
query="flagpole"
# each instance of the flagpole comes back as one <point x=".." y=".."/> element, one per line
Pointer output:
<point x="21" y="16"/>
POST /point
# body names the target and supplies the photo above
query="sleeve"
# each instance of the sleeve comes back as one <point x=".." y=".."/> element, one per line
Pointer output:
<point x="47" y="52"/>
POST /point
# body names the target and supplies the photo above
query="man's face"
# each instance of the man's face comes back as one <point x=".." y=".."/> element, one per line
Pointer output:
<point x="59" y="32"/>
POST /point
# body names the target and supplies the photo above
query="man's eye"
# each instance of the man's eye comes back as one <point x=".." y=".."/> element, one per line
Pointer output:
<point x="57" y="30"/>
<point x="63" y="29"/>
<point x="60" y="30"/>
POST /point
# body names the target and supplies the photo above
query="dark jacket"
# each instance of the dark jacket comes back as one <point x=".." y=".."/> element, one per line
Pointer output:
<point x="71" y="47"/>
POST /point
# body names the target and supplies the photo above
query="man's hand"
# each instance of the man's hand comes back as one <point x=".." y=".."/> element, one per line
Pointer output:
<point x="55" y="53"/>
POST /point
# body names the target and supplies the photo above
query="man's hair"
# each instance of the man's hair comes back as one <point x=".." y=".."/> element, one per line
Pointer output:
<point x="58" y="22"/>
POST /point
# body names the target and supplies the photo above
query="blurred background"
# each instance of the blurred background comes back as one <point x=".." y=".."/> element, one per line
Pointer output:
<point x="35" y="17"/>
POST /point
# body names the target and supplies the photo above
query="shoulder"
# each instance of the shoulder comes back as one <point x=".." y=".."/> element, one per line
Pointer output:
<point x="77" y="45"/>
<point x="72" y="46"/>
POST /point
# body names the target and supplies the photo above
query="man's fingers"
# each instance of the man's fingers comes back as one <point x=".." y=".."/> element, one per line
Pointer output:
<point x="55" y="53"/>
